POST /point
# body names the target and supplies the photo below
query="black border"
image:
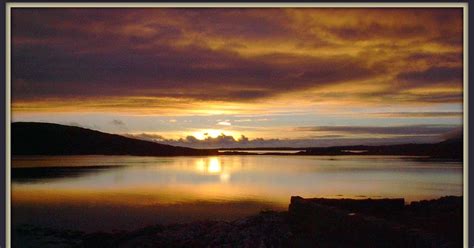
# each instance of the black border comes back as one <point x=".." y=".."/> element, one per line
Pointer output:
<point x="3" y="226"/>
<point x="3" y="98"/>
<point x="470" y="120"/>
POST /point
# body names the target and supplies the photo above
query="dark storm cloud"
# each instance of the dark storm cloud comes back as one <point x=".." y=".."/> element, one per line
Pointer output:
<point x="436" y="58"/>
<point x="183" y="53"/>
<point x="433" y="75"/>
<point x="237" y="22"/>
<point x="440" y="98"/>
<point x="376" y="30"/>
<point x="52" y="72"/>
<point x="447" y="114"/>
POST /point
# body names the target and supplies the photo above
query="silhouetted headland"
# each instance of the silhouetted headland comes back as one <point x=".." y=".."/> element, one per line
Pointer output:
<point x="448" y="149"/>
<point x="33" y="138"/>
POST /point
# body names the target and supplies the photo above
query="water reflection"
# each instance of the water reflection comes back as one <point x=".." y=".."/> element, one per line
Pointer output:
<point x="178" y="188"/>
<point x="213" y="165"/>
<point x="42" y="174"/>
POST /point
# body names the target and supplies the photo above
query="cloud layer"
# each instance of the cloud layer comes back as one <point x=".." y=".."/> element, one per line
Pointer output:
<point x="112" y="57"/>
<point x="279" y="76"/>
<point x="341" y="135"/>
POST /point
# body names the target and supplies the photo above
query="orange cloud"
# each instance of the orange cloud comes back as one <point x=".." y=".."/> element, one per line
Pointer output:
<point x="233" y="61"/>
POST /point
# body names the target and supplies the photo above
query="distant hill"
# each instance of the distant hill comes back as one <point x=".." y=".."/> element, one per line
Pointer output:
<point x="448" y="149"/>
<point x="33" y="138"/>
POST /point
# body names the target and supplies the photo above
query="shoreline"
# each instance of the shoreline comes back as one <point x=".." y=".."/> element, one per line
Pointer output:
<point x="323" y="221"/>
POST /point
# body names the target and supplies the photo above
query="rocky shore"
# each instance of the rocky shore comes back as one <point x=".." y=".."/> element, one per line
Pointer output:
<point x="316" y="222"/>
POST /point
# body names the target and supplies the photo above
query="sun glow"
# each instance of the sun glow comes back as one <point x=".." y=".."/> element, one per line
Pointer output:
<point x="210" y="133"/>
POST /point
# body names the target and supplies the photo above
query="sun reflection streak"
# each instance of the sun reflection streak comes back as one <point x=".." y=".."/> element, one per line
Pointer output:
<point x="224" y="177"/>
<point x="213" y="166"/>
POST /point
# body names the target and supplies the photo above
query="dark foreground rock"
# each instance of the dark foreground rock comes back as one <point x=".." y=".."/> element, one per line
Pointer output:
<point x="314" y="222"/>
<point x="376" y="223"/>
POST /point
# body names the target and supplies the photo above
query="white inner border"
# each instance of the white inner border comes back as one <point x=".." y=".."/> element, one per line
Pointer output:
<point x="9" y="6"/>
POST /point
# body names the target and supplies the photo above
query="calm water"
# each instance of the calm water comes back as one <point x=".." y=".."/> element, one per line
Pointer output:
<point x="123" y="192"/>
<point x="265" y="151"/>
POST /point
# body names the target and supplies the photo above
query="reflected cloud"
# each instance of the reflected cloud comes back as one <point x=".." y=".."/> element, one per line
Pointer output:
<point x="149" y="180"/>
<point x="183" y="188"/>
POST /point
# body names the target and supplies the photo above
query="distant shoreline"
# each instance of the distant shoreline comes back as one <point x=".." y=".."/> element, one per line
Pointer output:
<point x="34" y="138"/>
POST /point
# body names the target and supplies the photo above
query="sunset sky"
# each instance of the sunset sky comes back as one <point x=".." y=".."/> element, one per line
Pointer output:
<point x="243" y="77"/>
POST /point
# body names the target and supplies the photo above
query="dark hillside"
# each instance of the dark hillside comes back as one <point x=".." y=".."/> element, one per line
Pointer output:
<point x="30" y="138"/>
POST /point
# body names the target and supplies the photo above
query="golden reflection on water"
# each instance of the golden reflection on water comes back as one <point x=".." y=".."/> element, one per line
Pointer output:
<point x="213" y="165"/>
<point x="150" y="180"/>
<point x="208" y="187"/>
